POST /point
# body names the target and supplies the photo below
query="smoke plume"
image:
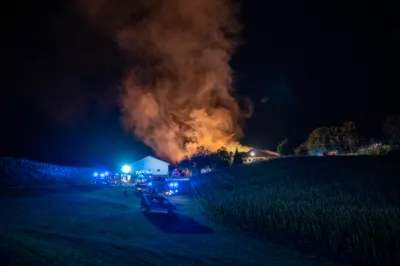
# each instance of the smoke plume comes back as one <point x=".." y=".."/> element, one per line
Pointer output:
<point x="177" y="91"/>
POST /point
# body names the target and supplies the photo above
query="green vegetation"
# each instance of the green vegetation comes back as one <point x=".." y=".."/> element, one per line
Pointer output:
<point x="343" y="207"/>
<point x="374" y="150"/>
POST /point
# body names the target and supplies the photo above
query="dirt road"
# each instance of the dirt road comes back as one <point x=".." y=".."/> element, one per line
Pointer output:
<point x="67" y="226"/>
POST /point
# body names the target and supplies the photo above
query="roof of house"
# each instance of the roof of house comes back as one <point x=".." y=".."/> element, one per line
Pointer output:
<point x="262" y="153"/>
<point x="150" y="157"/>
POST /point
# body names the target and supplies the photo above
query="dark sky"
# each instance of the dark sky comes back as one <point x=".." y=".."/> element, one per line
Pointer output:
<point x="319" y="63"/>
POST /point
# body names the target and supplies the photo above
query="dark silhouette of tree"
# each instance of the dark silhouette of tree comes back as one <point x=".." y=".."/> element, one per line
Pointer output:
<point x="282" y="147"/>
<point x="349" y="136"/>
<point x="317" y="140"/>
<point x="187" y="163"/>
<point x="301" y="150"/>
<point x="323" y="139"/>
<point x="237" y="158"/>
<point x="391" y="129"/>
<point x="224" y="158"/>
<point x="204" y="159"/>
<point x="202" y="151"/>
<point x="224" y="154"/>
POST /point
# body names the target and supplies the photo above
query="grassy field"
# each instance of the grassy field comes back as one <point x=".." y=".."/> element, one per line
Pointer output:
<point x="343" y="207"/>
<point x="69" y="225"/>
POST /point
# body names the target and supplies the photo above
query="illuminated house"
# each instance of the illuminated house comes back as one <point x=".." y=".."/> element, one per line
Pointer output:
<point x="255" y="155"/>
<point x="154" y="165"/>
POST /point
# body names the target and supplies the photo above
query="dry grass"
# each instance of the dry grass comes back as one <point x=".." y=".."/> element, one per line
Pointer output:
<point x="343" y="207"/>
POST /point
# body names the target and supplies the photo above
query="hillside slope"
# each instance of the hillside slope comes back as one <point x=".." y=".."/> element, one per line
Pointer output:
<point x="343" y="207"/>
<point x="24" y="173"/>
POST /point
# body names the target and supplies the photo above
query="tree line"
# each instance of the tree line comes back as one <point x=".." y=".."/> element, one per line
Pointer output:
<point x="204" y="159"/>
<point x="344" y="138"/>
<point x="322" y="140"/>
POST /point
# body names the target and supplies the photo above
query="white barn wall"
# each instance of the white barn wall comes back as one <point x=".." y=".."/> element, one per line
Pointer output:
<point x="156" y="166"/>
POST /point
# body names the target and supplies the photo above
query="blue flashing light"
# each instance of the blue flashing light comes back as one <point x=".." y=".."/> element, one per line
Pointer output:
<point x="173" y="184"/>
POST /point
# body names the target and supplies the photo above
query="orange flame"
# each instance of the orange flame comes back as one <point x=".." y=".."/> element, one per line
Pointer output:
<point x="176" y="95"/>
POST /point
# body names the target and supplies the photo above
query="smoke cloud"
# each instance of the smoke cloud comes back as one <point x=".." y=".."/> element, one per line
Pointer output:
<point x="177" y="91"/>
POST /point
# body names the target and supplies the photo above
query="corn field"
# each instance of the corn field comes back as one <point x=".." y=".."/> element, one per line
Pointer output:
<point x="346" y="208"/>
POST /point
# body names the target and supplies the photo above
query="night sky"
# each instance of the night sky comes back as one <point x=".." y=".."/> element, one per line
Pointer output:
<point x="316" y="63"/>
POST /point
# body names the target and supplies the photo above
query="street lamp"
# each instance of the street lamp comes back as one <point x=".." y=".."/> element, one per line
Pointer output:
<point x="252" y="153"/>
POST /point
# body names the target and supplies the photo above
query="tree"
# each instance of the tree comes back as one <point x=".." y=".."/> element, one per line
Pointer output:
<point x="219" y="161"/>
<point x="317" y="141"/>
<point x="349" y="136"/>
<point x="237" y="158"/>
<point x="201" y="151"/>
<point x="282" y="147"/>
<point x="391" y="129"/>
<point x="187" y="163"/>
<point x="205" y="159"/>
<point x="343" y="138"/>
<point x="224" y="154"/>
<point x="301" y="150"/>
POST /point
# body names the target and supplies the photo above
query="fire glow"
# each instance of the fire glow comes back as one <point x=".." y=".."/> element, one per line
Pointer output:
<point x="177" y="92"/>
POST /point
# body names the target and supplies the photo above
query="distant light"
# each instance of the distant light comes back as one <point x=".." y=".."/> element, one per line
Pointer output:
<point x="252" y="153"/>
<point x="95" y="174"/>
<point x="106" y="173"/>
<point x="126" y="169"/>
<point x="102" y="175"/>
<point x="150" y="184"/>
